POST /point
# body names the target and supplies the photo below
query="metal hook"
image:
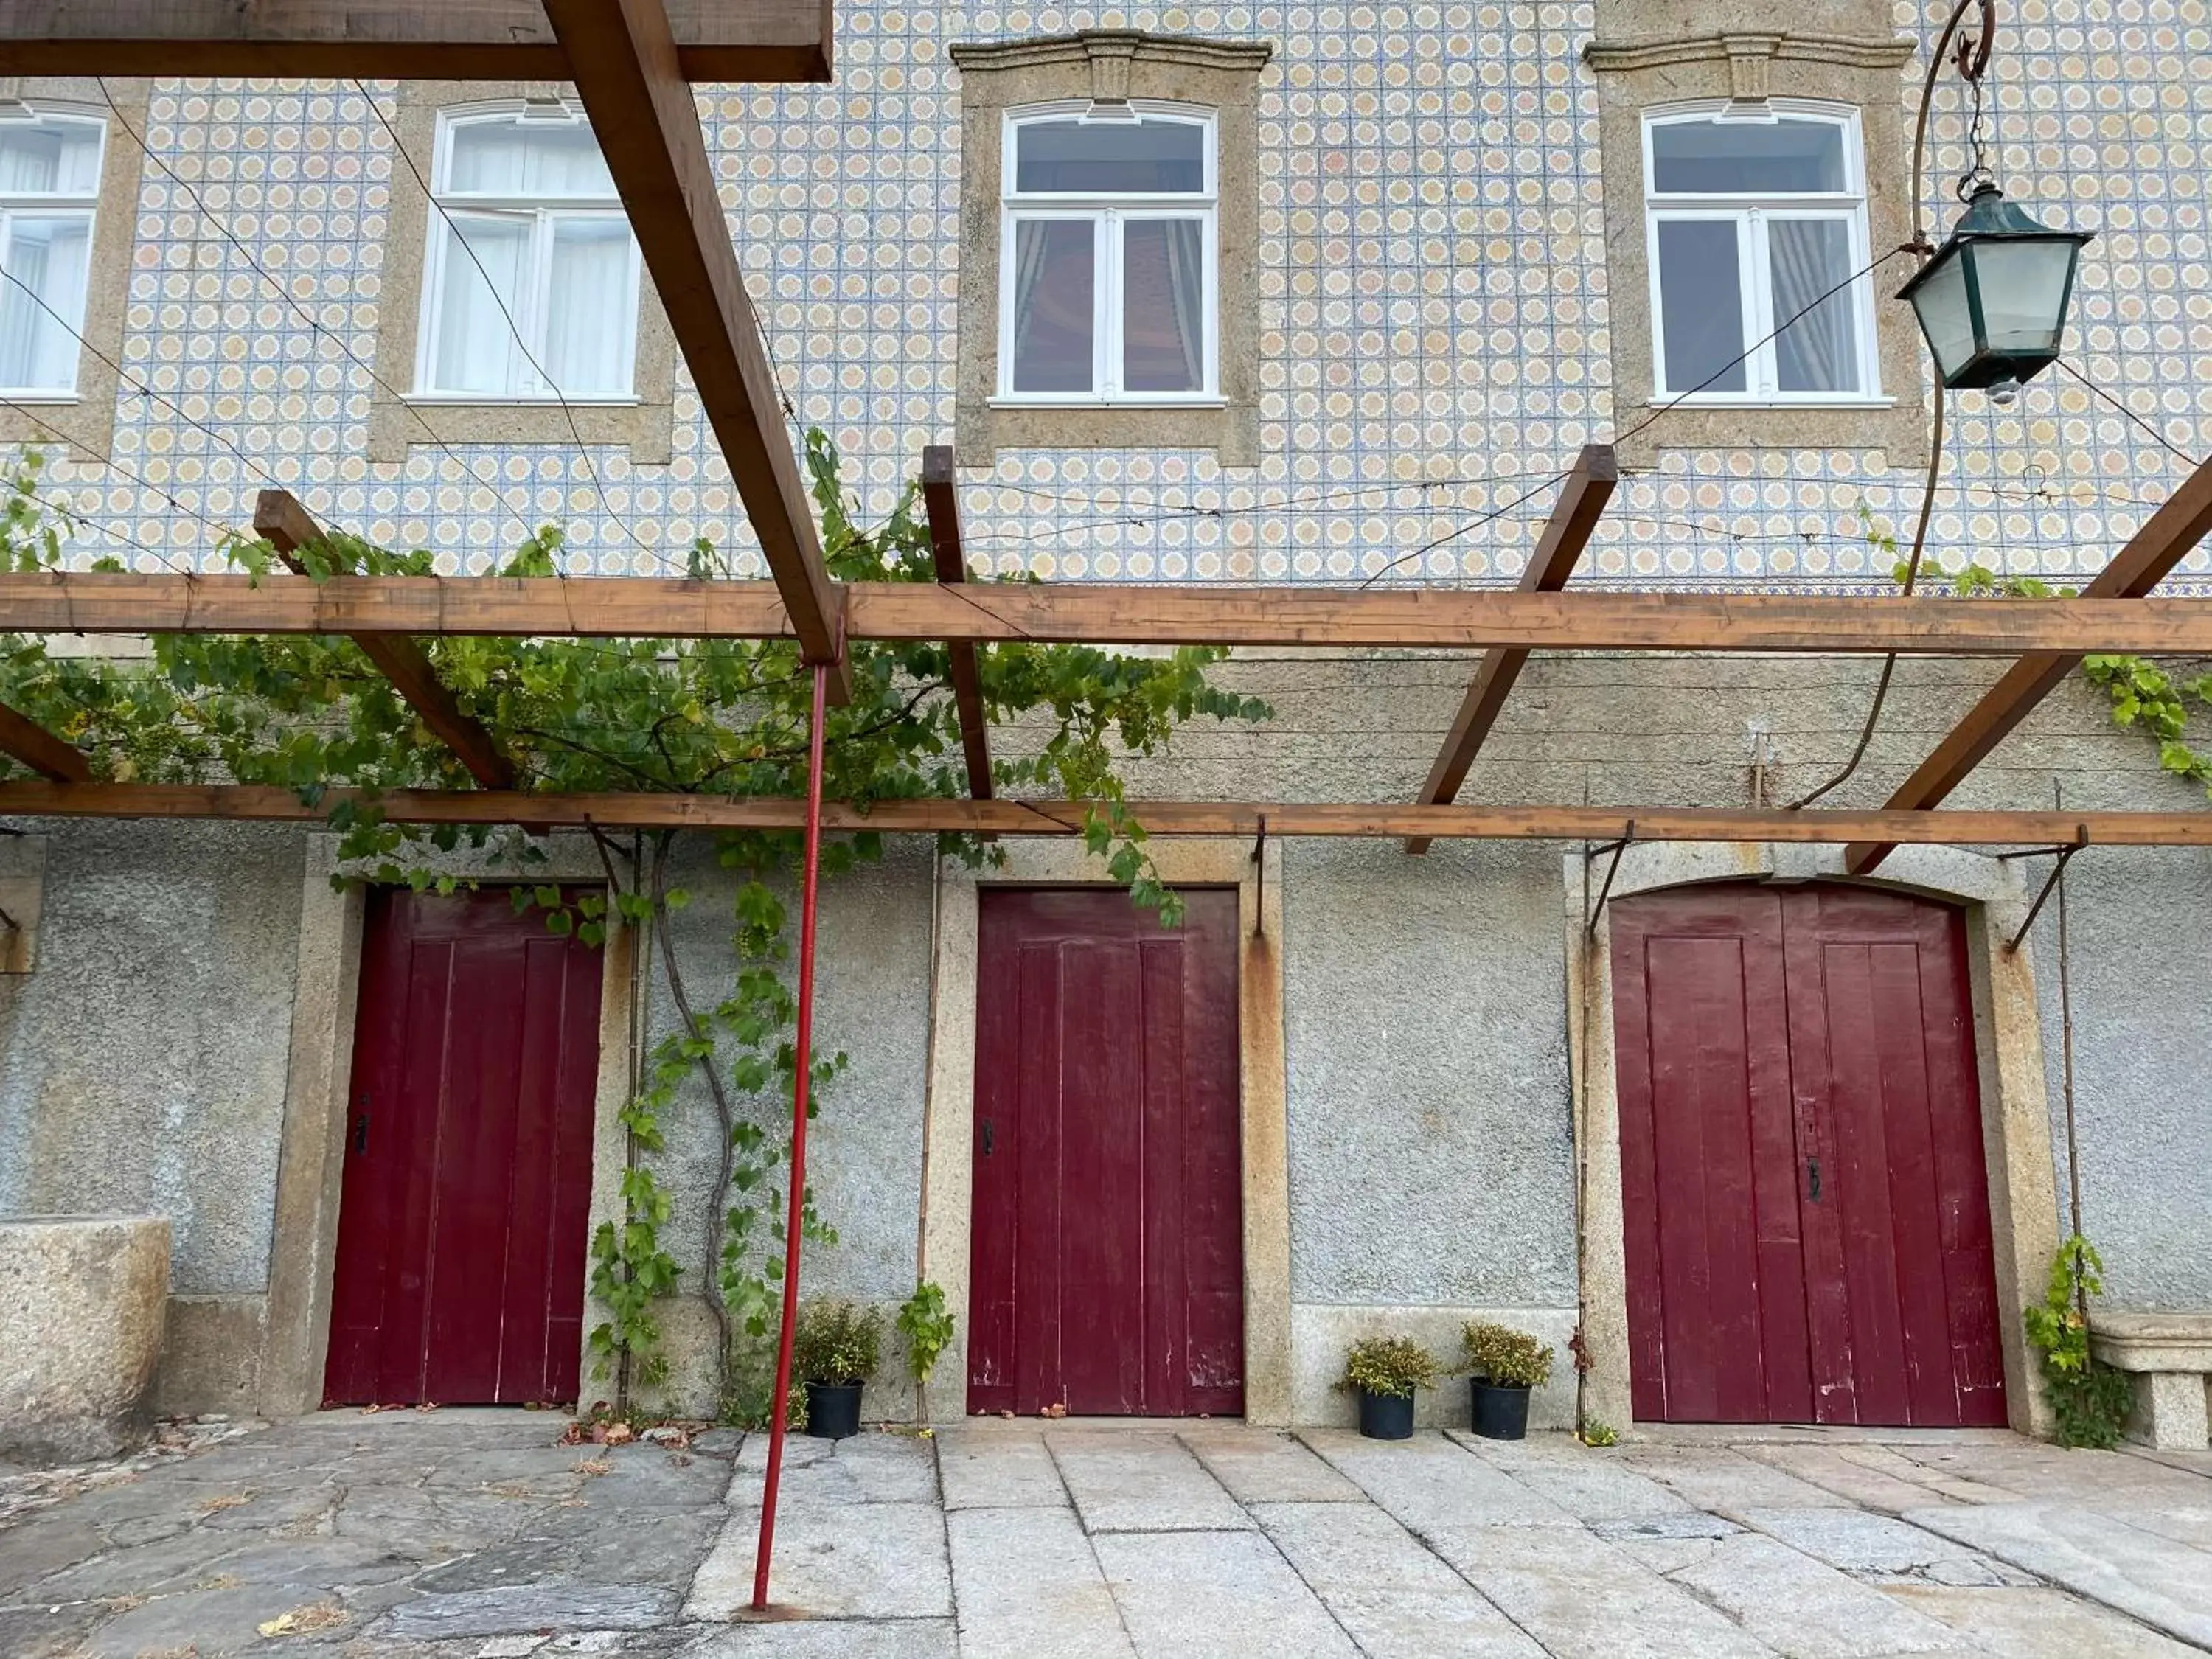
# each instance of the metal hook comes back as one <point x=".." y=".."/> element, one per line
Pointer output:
<point x="1590" y="921"/>
<point x="1260" y="876"/>
<point x="2049" y="884"/>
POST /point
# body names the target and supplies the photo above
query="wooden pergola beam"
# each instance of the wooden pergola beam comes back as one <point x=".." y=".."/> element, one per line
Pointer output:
<point x="940" y="502"/>
<point x="24" y="740"/>
<point x="632" y="607"/>
<point x="280" y="520"/>
<point x="397" y="39"/>
<point x="1574" y="516"/>
<point x="2165" y="538"/>
<point x="1159" y="817"/>
<point x="623" y="61"/>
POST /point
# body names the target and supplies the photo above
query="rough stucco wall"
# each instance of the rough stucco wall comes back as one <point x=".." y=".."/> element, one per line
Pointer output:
<point x="1432" y="1156"/>
<point x="143" y="1064"/>
<point x="864" y="1151"/>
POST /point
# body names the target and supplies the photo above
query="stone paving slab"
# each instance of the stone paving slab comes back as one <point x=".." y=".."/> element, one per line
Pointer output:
<point x="1806" y="1609"/>
<point x="2165" y="1585"/>
<point x="1582" y="1599"/>
<point x="839" y="1560"/>
<point x="901" y="1638"/>
<point x="1721" y="1478"/>
<point x="1395" y="1599"/>
<point x="522" y="1609"/>
<point x="1882" y="1549"/>
<point x="1890" y="1490"/>
<point x="989" y="1465"/>
<point x="1030" y="1588"/>
<point x="1257" y="1466"/>
<point x="864" y="1468"/>
<point x="1183" y="1595"/>
<point x="1589" y="1483"/>
<point x="1431" y="1483"/>
<point x="2040" y="1623"/>
<point x="1137" y="1480"/>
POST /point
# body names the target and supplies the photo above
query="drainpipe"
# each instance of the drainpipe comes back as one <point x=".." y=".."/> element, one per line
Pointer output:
<point x="796" y="1213"/>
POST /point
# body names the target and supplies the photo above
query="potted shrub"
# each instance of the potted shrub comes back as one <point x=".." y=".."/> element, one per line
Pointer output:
<point x="1503" y="1365"/>
<point x="1385" y="1370"/>
<point x="834" y="1350"/>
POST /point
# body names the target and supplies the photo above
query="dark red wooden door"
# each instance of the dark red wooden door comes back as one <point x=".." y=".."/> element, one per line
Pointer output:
<point x="468" y="1162"/>
<point x="1106" y="1270"/>
<point x="1805" y="1199"/>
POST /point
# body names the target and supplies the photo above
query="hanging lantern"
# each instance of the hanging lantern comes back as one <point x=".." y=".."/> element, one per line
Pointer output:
<point x="1992" y="302"/>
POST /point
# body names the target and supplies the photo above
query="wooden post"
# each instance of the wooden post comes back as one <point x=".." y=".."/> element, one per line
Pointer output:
<point x="2166" y="537"/>
<point x="940" y="501"/>
<point x="1581" y="503"/>
<point x="280" y="520"/>
<point x="23" y="739"/>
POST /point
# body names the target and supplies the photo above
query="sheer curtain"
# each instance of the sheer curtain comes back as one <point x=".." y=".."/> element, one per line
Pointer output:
<point x="586" y="338"/>
<point x="50" y="257"/>
<point x="1819" y="352"/>
<point x="509" y="158"/>
<point x="475" y="347"/>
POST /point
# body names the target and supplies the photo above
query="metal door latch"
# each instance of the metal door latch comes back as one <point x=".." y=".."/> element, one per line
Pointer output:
<point x="987" y="1137"/>
<point x="1812" y="1173"/>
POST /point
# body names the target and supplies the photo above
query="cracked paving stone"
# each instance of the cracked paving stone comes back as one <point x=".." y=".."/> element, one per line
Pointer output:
<point x="1806" y="1609"/>
<point x="204" y="1623"/>
<point x="522" y="1609"/>
<point x="659" y="1549"/>
<point x="1881" y="1548"/>
<point x="890" y="1639"/>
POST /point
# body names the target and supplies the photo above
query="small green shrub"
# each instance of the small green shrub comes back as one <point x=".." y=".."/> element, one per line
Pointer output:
<point x="1594" y="1433"/>
<point x="836" y="1342"/>
<point x="1504" y="1357"/>
<point x="1394" y="1365"/>
<point x="927" y="1328"/>
<point x="2090" y="1400"/>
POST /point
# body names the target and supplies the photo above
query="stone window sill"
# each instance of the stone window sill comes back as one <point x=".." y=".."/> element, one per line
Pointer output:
<point x="1842" y="403"/>
<point x="1087" y="403"/>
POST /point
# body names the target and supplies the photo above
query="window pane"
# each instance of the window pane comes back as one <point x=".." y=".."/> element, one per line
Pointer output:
<point x="1106" y="158"/>
<point x="1819" y="352"/>
<point x="1737" y="158"/>
<point x="511" y="158"/>
<point x="476" y="346"/>
<point x="589" y="322"/>
<point x="62" y="157"/>
<point x="1701" y="305"/>
<point x="50" y="257"/>
<point x="1163" y="294"/>
<point x="2021" y="285"/>
<point x="1053" y="282"/>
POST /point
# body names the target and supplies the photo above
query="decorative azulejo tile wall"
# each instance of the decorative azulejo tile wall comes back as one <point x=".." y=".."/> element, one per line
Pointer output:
<point x="1434" y="315"/>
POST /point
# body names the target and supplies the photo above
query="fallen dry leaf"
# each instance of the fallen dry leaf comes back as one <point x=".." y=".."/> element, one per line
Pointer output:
<point x="301" y="1621"/>
<point x="595" y="1466"/>
<point x="227" y="1500"/>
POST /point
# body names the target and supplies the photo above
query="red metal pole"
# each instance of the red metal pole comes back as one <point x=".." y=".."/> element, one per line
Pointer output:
<point x="808" y="892"/>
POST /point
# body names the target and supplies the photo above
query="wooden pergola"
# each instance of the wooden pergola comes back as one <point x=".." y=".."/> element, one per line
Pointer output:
<point x="633" y="62"/>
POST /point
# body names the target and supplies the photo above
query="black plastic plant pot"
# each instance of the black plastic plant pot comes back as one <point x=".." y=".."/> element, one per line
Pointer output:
<point x="1386" y="1416"/>
<point x="833" y="1410"/>
<point x="1500" y="1412"/>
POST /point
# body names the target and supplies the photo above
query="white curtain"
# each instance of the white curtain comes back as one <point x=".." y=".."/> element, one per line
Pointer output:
<point x="509" y="158"/>
<point x="476" y="346"/>
<point x="588" y="323"/>
<point x="59" y="159"/>
<point x="50" y="257"/>
<point x="1819" y="352"/>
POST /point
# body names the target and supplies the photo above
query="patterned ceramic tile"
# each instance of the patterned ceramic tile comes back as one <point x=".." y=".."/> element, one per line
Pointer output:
<point x="1434" y="319"/>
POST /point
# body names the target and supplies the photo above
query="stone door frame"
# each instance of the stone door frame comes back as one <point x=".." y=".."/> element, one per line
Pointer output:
<point x="2008" y="1053"/>
<point x="949" y="1112"/>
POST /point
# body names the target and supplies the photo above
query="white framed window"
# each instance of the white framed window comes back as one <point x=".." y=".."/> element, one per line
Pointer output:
<point x="525" y="235"/>
<point x="1109" y="272"/>
<point x="50" y="164"/>
<point x="1750" y="218"/>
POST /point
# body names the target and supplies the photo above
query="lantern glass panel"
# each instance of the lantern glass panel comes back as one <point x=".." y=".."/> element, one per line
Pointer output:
<point x="1941" y="300"/>
<point x="2023" y="288"/>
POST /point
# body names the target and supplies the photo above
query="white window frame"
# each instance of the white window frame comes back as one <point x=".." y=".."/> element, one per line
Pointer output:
<point x="54" y="205"/>
<point x="1107" y="213"/>
<point x="442" y="246"/>
<point x="1750" y="212"/>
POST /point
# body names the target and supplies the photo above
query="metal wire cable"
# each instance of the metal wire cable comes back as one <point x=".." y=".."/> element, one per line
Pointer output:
<point x="306" y="316"/>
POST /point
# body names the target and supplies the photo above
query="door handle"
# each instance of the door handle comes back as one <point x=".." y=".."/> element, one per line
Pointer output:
<point x="1813" y="1177"/>
<point x="987" y="1137"/>
<point x="359" y="1134"/>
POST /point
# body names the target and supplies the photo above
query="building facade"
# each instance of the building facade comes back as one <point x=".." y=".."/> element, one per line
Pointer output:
<point x="1236" y="294"/>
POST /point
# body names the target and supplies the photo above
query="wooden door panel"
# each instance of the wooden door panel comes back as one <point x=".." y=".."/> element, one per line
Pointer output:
<point x="1805" y="1199"/>
<point x="1106" y="1253"/>
<point x="467" y="1181"/>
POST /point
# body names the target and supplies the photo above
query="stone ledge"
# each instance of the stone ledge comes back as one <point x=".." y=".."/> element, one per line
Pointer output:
<point x="2152" y="1342"/>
